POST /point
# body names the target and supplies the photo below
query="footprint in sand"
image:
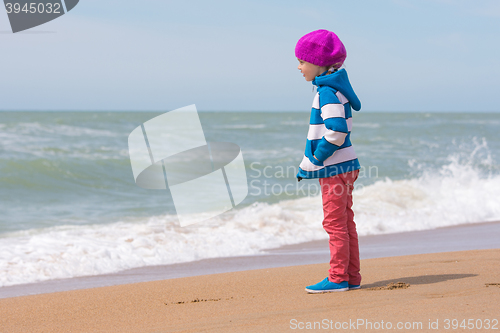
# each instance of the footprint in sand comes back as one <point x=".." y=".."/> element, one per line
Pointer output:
<point x="392" y="286"/>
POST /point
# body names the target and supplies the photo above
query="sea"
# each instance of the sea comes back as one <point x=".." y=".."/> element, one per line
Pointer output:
<point x="69" y="205"/>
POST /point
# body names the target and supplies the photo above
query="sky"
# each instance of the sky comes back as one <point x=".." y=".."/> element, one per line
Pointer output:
<point x="159" y="55"/>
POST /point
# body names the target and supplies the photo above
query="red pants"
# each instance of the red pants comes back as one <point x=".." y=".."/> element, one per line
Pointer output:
<point x="339" y="224"/>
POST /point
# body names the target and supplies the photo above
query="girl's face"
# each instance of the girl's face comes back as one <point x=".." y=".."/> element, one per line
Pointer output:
<point x="309" y="70"/>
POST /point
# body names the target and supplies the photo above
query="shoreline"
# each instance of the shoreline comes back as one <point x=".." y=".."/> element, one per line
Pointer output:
<point x="471" y="236"/>
<point x="415" y="291"/>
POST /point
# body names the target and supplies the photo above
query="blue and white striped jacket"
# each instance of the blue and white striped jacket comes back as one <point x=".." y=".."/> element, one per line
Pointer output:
<point x="329" y="151"/>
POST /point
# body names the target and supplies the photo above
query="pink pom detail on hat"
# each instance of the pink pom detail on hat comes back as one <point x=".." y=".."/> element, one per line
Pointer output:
<point x="321" y="48"/>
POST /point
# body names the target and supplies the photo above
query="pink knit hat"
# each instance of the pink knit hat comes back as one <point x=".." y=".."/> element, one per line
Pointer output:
<point x="321" y="48"/>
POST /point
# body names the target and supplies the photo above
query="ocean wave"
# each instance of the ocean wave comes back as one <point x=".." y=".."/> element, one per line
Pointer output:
<point x="35" y="128"/>
<point x="36" y="151"/>
<point x="463" y="187"/>
<point x="457" y="193"/>
<point x="300" y="123"/>
<point x="69" y="251"/>
<point x="365" y="125"/>
<point x="241" y="126"/>
<point x="34" y="140"/>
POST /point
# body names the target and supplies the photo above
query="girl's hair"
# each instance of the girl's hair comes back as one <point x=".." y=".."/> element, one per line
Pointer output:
<point x="335" y="67"/>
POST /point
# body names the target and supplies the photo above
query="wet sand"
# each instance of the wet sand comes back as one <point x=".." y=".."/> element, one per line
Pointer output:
<point x="475" y="236"/>
<point x="414" y="292"/>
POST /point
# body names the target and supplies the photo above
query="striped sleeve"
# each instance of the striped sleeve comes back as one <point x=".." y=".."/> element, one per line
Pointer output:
<point x="333" y="114"/>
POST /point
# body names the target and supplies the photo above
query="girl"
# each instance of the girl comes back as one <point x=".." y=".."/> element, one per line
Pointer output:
<point x="329" y="154"/>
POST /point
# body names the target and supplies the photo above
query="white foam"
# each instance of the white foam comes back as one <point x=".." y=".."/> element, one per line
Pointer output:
<point x="62" y="252"/>
<point x="465" y="190"/>
<point x="36" y="128"/>
<point x="49" y="140"/>
<point x="300" y="123"/>
<point x="366" y="125"/>
<point x="242" y="126"/>
<point x="458" y="192"/>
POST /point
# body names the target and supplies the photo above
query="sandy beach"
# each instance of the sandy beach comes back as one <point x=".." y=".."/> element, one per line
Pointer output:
<point x="163" y="166"/>
<point x="474" y="236"/>
<point x="411" y="292"/>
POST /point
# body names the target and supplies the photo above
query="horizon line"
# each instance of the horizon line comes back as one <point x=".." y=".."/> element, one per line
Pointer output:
<point x="262" y="111"/>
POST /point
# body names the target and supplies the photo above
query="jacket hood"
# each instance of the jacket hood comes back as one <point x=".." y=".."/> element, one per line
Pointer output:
<point x="339" y="81"/>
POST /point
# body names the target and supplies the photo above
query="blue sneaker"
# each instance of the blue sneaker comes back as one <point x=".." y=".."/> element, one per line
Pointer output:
<point x="354" y="286"/>
<point x="326" y="286"/>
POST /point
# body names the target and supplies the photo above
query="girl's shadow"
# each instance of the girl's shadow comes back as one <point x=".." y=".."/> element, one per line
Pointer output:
<point x="422" y="279"/>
